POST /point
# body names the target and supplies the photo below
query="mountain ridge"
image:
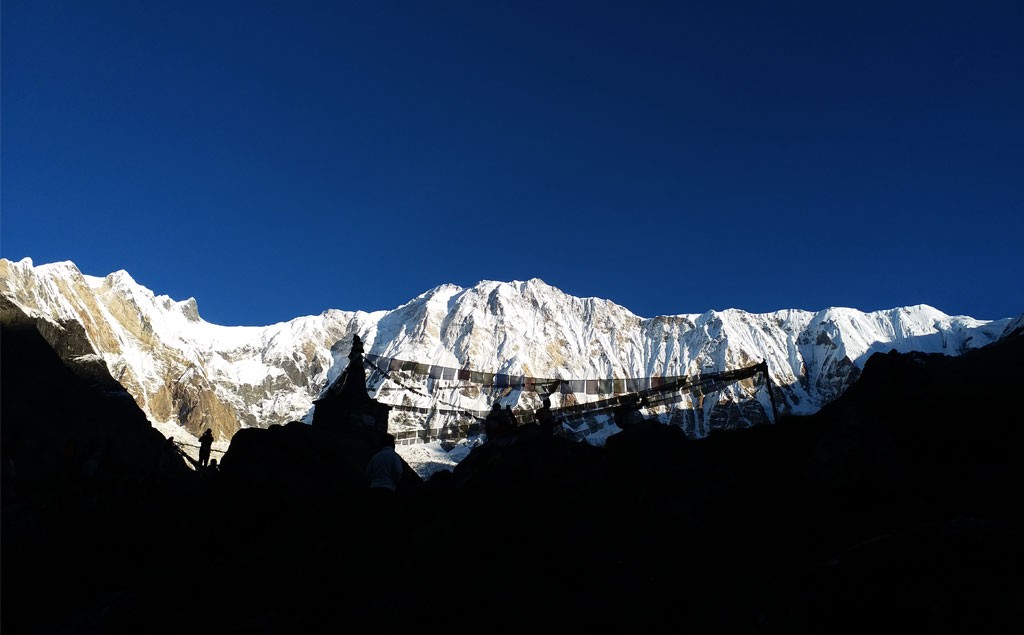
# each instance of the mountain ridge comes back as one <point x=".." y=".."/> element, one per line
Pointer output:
<point x="183" y="370"/>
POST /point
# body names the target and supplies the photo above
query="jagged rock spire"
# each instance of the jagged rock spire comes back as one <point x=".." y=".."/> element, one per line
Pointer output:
<point x="347" y="404"/>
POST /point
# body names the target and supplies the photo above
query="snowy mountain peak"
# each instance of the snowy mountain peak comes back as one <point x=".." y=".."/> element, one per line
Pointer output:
<point x="122" y="279"/>
<point x="65" y="267"/>
<point x="185" y="371"/>
<point x="189" y="308"/>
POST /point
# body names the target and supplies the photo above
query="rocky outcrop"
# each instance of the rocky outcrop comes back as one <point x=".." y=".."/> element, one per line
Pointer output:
<point x="56" y="416"/>
<point x="878" y="509"/>
<point x="137" y="336"/>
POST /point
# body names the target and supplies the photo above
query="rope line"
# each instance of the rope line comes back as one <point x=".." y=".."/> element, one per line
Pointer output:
<point x="189" y="445"/>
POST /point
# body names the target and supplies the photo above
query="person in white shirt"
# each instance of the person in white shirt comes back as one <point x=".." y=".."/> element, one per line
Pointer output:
<point x="385" y="469"/>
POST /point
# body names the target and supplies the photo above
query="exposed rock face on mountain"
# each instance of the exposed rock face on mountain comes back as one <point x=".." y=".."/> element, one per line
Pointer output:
<point x="177" y="367"/>
<point x="182" y="369"/>
<point x="57" y="416"/>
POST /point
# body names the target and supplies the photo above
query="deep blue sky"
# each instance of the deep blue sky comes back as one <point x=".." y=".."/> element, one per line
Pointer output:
<point x="276" y="159"/>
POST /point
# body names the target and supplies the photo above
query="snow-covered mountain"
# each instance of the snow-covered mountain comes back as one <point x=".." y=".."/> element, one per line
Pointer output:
<point x="183" y="370"/>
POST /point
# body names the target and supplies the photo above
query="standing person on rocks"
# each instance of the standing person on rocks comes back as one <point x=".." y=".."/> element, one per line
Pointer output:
<point x="205" y="445"/>
<point x="627" y="413"/>
<point x="511" y="422"/>
<point x="384" y="470"/>
<point x="494" y="424"/>
<point x="545" y="419"/>
<point x="384" y="473"/>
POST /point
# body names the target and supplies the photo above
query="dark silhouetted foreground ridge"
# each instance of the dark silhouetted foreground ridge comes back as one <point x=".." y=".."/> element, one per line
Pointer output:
<point x="898" y="505"/>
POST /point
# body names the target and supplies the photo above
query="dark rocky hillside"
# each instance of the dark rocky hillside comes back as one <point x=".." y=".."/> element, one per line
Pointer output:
<point x="897" y="506"/>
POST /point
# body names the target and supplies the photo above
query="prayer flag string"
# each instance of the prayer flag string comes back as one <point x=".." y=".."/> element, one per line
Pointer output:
<point x="542" y="385"/>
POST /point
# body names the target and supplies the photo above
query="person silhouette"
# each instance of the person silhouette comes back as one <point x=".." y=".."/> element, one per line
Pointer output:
<point x="384" y="469"/>
<point x="510" y="418"/>
<point x="627" y="413"/>
<point x="205" y="445"/>
<point x="545" y="418"/>
<point x="385" y="496"/>
<point x="494" y="424"/>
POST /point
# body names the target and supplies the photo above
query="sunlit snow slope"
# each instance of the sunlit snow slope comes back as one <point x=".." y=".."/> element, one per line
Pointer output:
<point x="184" y="370"/>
